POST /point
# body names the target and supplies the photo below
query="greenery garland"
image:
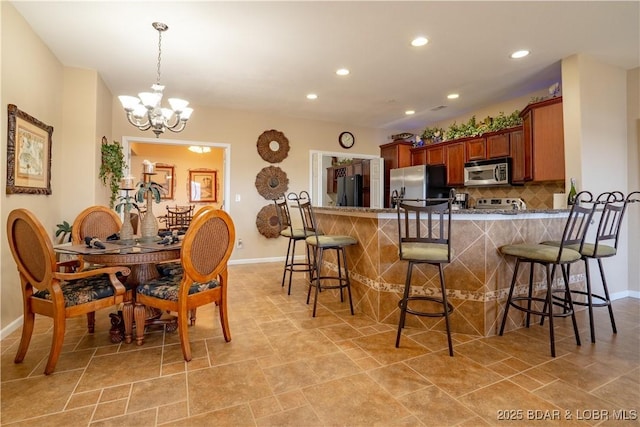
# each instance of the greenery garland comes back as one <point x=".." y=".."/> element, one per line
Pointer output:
<point x="112" y="168"/>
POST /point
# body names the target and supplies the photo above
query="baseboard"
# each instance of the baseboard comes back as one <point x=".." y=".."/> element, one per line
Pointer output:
<point x="6" y="331"/>
<point x="625" y="294"/>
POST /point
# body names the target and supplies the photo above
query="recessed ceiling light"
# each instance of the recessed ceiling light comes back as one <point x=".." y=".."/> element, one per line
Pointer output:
<point x="409" y="112"/>
<point x="453" y="96"/>
<point x="342" y="72"/>
<point x="312" y="96"/>
<point x="519" y="54"/>
<point x="419" y="41"/>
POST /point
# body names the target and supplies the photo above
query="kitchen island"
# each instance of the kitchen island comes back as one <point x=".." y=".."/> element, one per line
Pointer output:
<point x="477" y="279"/>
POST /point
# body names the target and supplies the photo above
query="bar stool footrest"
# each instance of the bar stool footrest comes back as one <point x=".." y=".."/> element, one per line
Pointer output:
<point x="565" y="313"/>
<point x="425" y="313"/>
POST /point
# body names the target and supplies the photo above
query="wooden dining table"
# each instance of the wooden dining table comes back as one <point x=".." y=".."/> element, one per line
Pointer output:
<point x="142" y="257"/>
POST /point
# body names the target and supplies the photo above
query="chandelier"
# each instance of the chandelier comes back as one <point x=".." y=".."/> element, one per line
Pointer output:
<point x="145" y="111"/>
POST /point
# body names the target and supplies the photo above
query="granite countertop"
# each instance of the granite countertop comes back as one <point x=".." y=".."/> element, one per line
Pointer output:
<point x="353" y="209"/>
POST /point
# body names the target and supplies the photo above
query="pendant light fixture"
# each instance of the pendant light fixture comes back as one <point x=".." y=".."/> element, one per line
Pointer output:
<point x="145" y="111"/>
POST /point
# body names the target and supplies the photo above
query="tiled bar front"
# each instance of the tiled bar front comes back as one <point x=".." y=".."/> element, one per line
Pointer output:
<point x="477" y="279"/>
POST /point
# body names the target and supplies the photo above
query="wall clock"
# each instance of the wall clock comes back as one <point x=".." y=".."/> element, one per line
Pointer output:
<point x="346" y="140"/>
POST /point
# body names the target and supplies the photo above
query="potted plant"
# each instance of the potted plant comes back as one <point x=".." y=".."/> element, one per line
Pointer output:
<point x="112" y="168"/>
<point x="64" y="230"/>
<point x="432" y="135"/>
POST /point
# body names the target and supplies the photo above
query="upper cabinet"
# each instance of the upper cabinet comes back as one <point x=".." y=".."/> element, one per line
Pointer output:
<point x="543" y="134"/>
<point x="536" y="148"/>
<point x="396" y="154"/>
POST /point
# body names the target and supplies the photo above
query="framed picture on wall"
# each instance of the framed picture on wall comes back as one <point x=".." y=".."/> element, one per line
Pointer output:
<point x="166" y="178"/>
<point x="203" y="185"/>
<point x="28" y="154"/>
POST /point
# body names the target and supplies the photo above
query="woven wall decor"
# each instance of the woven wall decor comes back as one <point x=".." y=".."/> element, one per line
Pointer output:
<point x="273" y="146"/>
<point x="272" y="182"/>
<point x="267" y="222"/>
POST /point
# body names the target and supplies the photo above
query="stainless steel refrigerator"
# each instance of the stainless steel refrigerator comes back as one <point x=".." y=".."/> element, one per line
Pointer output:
<point x="418" y="182"/>
<point x="350" y="190"/>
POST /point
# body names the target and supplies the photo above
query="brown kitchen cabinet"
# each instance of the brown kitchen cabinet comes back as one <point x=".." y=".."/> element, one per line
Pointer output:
<point x="543" y="132"/>
<point x="475" y="149"/>
<point x="396" y="154"/>
<point x="435" y="155"/>
<point x="454" y="154"/>
<point x="418" y="156"/>
<point x="498" y="145"/>
<point x="520" y="157"/>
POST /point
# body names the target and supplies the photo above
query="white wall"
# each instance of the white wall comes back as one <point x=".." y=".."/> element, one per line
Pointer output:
<point x="596" y="143"/>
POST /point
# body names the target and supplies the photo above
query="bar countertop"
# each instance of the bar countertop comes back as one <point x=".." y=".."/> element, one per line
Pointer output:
<point x="360" y="210"/>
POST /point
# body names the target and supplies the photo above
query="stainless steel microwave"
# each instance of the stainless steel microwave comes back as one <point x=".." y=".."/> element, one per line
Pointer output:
<point x="488" y="172"/>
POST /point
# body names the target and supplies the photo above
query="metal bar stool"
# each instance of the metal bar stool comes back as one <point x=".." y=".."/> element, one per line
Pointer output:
<point x="424" y="237"/>
<point x="294" y="235"/>
<point x="551" y="257"/>
<point x="319" y="243"/>
<point x="605" y="245"/>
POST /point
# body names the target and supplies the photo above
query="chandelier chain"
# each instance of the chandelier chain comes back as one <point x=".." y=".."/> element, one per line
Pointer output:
<point x="159" y="55"/>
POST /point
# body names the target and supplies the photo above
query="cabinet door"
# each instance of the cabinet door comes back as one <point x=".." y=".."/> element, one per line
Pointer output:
<point x="435" y="155"/>
<point x="455" y="164"/>
<point x="418" y="156"/>
<point x="548" y="143"/>
<point x="475" y="149"/>
<point x="331" y="180"/>
<point x="498" y="146"/>
<point x="521" y="157"/>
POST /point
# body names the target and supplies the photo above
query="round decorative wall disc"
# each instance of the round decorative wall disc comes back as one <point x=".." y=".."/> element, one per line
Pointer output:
<point x="273" y="146"/>
<point x="267" y="222"/>
<point x="272" y="182"/>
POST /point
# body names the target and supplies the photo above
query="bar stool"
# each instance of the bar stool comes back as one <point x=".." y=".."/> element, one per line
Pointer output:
<point x="551" y="257"/>
<point x="433" y="218"/>
<point x="294" y="235"/>
<point x="605" y="246"/>
<point x="319" y="243"/>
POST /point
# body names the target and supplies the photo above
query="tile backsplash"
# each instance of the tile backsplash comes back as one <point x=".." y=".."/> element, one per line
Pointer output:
<point x="535" y="195"/>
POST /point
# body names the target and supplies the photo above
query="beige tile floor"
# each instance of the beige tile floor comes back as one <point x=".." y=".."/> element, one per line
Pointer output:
<point x="285" y="368"/>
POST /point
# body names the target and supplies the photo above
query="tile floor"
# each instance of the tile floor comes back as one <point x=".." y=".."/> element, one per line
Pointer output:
<point x="284" y="368"/>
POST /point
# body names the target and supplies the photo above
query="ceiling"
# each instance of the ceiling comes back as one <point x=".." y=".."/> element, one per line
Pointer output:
<point x="266" y="56"/>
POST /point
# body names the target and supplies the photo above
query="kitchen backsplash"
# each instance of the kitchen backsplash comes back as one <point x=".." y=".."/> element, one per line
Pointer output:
<point x="535" y="195"/>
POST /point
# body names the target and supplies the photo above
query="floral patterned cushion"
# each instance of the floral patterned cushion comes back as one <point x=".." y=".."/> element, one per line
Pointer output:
<point x="82" y="291"/>
<point x="173" y="268"/>
<point x="166" y="287"/>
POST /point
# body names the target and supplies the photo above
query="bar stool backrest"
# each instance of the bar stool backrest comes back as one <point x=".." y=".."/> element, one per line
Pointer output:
<point x="577" y="224"/>
<point x="437" y="214"/>
<point x="284" y="216"/>
<point x="307" y="216"/>
<point x="613" y="208"/>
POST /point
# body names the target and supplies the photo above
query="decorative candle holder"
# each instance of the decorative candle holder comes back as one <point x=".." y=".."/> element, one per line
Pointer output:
<point x="149" y="224"/>
<point x="126" y="231"/>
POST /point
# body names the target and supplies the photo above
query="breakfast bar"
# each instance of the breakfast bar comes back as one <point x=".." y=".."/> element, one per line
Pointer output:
<point x="478" y="277"/>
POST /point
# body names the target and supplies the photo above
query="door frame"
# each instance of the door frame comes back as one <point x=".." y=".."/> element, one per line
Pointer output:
<point x="226" y="205"/>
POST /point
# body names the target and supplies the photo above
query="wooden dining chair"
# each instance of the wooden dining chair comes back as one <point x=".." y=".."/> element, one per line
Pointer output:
<point x="206" y="248"/>
<point x="49" y="292"/>
<point x="94" y="221"/>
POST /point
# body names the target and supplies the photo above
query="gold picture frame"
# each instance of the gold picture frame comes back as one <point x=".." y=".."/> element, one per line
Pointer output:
<point x="28" y="154"/>
<point x="203" y="185"/>
<point x="166" y="177"/>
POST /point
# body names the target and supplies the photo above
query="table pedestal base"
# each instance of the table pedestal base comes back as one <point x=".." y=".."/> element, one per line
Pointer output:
<point x="151" y="316"/>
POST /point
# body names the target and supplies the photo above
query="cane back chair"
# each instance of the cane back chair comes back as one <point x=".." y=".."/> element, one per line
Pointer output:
<point x="206" y="249"/>
<point x="49" y="292"/>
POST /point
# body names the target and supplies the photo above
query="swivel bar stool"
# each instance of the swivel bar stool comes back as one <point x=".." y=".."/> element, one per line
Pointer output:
<point x="294" y="235"/>
<point x="551" y="257"/>
<point x="605" y="246"/>
<point x="424" y="237"/>
<point x="320" y="243"/>
<point x="613" y="205"/>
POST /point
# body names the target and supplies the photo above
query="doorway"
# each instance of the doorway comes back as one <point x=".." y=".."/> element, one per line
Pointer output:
<point x="180" y="184"/>
<point x="319" y="161"/>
